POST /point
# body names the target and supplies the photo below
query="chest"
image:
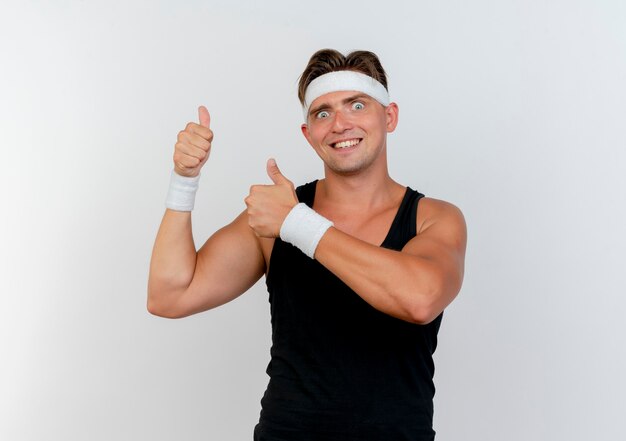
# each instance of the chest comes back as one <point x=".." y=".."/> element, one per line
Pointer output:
<point x="368" y="227"/>
<point x="371" y="226"/>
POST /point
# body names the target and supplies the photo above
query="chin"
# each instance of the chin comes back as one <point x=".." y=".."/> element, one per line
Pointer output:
<point x="347" y="169"/>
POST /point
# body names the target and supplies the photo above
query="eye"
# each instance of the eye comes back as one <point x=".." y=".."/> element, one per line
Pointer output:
<point x="321" y="115"/>
<point x="357" y="105"/>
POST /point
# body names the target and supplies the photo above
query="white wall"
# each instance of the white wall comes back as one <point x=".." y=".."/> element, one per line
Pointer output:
<point x="513" y="110"/>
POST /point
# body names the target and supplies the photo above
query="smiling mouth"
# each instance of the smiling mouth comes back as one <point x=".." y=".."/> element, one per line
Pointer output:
<point x="346" y="144"/>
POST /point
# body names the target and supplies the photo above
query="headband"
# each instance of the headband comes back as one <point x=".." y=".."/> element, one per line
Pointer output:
<point x="341" y="81"/>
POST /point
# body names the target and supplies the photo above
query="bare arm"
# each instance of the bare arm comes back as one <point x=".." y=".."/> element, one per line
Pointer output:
<point x="182" y="281"/>
<point x="415" y="284"/>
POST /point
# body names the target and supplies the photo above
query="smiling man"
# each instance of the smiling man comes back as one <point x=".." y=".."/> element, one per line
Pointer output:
<point x="359" y="268"/>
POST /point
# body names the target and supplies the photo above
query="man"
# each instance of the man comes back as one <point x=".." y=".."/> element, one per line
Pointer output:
<point x="358" y="277"/>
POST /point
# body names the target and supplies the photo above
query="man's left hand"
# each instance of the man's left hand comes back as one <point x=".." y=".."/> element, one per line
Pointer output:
<point x="269" y="205"/>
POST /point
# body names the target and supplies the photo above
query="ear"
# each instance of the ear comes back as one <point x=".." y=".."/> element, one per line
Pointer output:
<point x="391" y="113"/>
<point x="305" y="132"/>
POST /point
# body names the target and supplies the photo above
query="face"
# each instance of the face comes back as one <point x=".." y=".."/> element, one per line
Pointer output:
<point x="348" y="130"/>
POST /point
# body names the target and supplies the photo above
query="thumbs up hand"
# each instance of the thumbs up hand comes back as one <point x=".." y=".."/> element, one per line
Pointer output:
<point x="193" y="145"/>
<point x="269" y="205"/>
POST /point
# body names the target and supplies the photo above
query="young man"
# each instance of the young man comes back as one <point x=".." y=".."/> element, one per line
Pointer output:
<point x="358" y="276"/>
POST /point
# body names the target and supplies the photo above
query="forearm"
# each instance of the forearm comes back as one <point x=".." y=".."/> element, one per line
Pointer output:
<point x="396" y="283"/>
<point x="173" y="257"/>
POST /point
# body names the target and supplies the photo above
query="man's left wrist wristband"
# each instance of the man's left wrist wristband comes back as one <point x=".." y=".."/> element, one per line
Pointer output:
<point x="304" y="228"/>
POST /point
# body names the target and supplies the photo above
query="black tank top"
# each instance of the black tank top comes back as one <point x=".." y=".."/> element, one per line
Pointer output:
<point x="340" y="369"/>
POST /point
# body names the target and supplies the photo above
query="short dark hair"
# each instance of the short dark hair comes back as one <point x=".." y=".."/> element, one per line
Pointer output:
<point x="330" y="60"/>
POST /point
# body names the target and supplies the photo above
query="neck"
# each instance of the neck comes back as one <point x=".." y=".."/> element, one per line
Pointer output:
<point x="362" y="190"/>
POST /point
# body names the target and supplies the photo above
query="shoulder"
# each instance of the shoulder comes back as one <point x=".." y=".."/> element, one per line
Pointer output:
<point x="441" y="233"/>
<point x="306" y="185"/>
<point x="306" y="192"/>
<point x="441" y="214"/>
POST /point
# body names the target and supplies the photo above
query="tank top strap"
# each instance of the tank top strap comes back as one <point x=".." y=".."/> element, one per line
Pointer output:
<point x="306" y="193"/>
<point x="403" y="227"/>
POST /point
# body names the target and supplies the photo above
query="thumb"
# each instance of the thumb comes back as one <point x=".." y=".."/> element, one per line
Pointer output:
<point x="274" y="173"/>
<point x="204" y="117"/>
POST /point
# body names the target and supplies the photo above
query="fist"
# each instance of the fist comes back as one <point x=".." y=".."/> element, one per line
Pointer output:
<point x="193" y="145"/>
<point x="269" y="205"/>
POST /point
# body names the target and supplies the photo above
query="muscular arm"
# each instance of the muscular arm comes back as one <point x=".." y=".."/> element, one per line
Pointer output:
<point x="414" y="284"/>
<point x="183" y="282"/>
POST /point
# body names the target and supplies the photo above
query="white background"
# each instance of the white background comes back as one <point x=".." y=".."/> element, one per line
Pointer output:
<point x="513" y="110"/>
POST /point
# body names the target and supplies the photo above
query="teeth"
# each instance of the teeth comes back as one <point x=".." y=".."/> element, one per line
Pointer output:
<point x="344" y="144"/>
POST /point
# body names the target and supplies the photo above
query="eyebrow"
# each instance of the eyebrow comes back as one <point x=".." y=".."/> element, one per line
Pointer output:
<point x="325" y="106"/>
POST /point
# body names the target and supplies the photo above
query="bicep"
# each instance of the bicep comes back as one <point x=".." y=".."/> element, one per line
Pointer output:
<point x="440" y="245"/>
<point x="227" y="265"/>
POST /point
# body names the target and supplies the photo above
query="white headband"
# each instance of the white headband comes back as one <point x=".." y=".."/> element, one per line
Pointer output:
<point x="341" y="81"/>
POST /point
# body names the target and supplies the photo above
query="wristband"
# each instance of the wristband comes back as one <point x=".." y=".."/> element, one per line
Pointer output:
<point x="303" y="228"/>
<point x="182" y="192"/>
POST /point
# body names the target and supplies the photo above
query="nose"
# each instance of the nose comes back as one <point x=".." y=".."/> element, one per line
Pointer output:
<point x="341" y="122"/>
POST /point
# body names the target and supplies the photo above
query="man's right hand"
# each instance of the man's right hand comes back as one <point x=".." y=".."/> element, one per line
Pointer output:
<point x="193" y="145"/>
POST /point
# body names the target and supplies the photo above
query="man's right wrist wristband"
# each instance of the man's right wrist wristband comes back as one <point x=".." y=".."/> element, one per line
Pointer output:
<point x="182" y="192"/>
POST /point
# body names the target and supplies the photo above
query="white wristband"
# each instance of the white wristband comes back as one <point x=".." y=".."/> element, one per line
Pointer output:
<point x="182" y="192"/>
<point x="303" y="228"/>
